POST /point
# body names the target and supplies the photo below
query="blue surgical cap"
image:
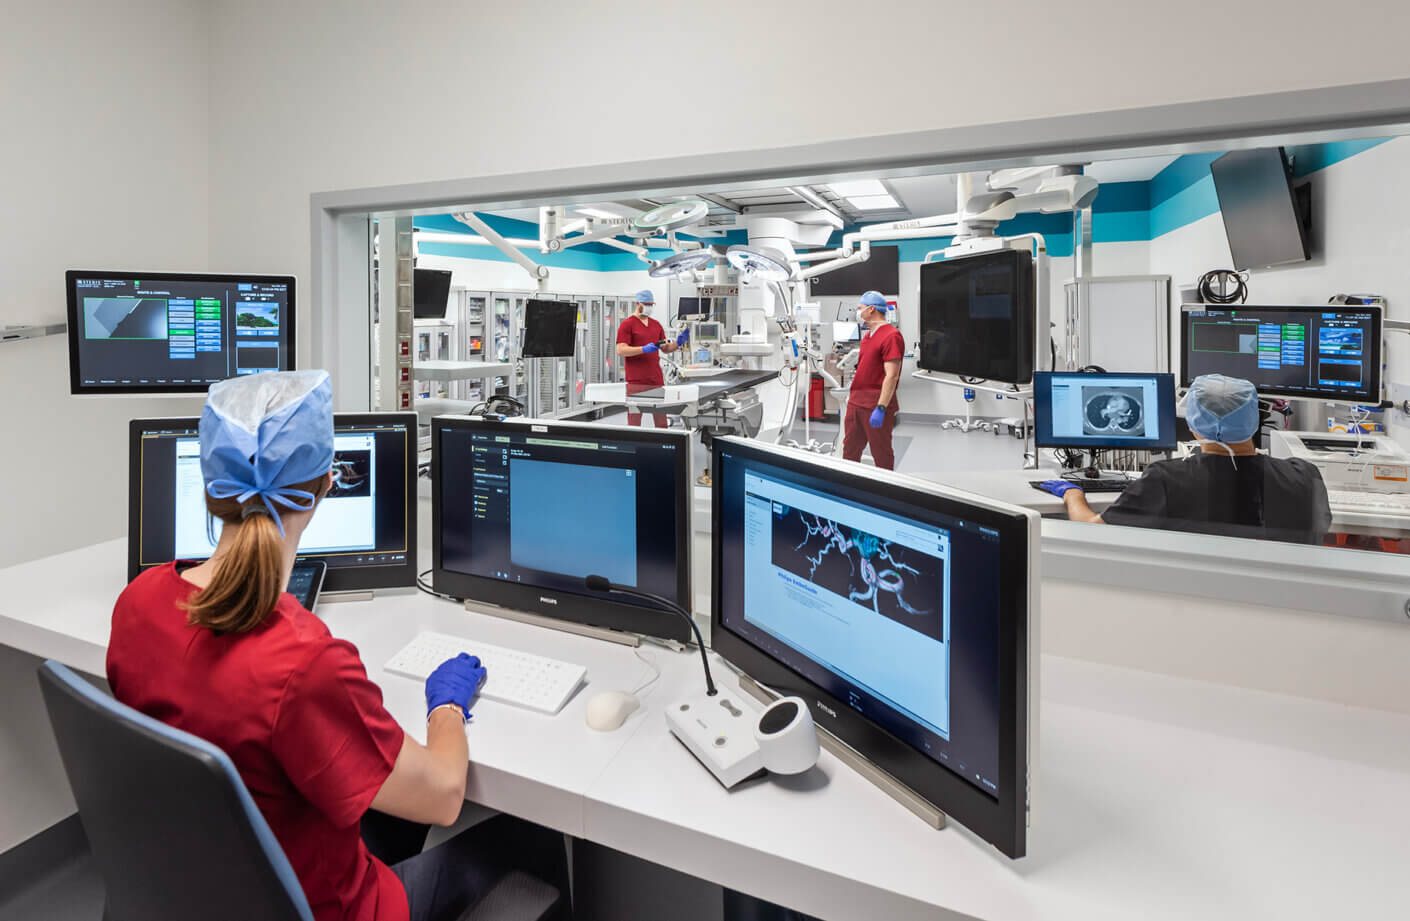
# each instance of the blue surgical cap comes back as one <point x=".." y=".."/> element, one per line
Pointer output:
<point x="644" y="296"/>
<point x="263" y="433"/>
<point x="875" y="299"/>
<point x="1222" y="409"/>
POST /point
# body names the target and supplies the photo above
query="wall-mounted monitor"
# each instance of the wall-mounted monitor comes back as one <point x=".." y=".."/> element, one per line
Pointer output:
<point x="903" y="612"/>
<point x="687" y="307"/>
<point x="430" y="294"/>
<point x="880" y="272"/>
<point x="1263" y="218"/>
<point x="978" y="316"/>
<point x="524" y="510"/>
<point x="364" y="528"/>
<point x="1317" y="352"/>
<point x="154" y="333"/>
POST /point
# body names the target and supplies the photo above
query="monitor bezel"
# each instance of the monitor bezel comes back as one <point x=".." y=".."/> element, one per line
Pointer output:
<point x="585" y="607"/>
<point x="338" y="578"/>
<point x="1001" y="820"/>
<point x="1375" y="386"/>
<point x="77" y="388"/>
<point x="1042" y="410"/>
<point x="1025" y="270"/>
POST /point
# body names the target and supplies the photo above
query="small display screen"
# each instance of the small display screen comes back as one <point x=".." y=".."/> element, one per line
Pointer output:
<point x="175" y="333"/>
<point x="1085" y="411"/>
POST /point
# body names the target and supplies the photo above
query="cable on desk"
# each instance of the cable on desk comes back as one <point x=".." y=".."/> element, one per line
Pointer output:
<point x="656" y="670"/>
<point x="425" y="586"/>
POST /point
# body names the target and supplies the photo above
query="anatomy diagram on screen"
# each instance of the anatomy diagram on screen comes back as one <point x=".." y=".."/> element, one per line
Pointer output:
<point x="870" y="560"/>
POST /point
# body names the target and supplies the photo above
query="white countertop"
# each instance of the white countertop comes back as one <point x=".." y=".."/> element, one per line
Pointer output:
<point x="440" y="370"/>
<point x="1156" y="798"/>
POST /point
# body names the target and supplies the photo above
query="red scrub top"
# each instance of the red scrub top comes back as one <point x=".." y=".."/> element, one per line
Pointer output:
<point x="883" y="344"/>
<point x="642" y="369"/>
<point x="296" y="713"/>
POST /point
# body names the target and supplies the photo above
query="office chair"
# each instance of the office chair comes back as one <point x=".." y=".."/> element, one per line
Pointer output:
<point x="171" y="826"/>
<point x="175" y="833"/>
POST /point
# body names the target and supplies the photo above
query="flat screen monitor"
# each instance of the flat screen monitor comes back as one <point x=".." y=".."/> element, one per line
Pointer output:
<point x="1133" y="412"/>
<point x="135" y="332"/>
<point x="880" y="272"/>
<point x="430" y="294"/>
<point x="1261" y="216"/>
<point x="524" y="510"/>
<point x="1324" y="352"/>
<point x="846" y="331"/>
<point x="977" y="316"/>
<point x="694" y="307"/>
<point x="550" y="328"/>
<point x="900" y="610"/>
<point x="364" y="528"/>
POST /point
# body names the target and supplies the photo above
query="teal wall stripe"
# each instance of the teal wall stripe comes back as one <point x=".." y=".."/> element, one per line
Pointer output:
<point x="1178" y="195"/>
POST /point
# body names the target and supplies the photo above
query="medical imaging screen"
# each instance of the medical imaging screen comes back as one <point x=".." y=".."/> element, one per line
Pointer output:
<point x="1088" y="411"/>
<point x="548" y="509"/>
<point x="887" y="607"/>
<point x="1327" y="352"/>
<point x="175" y="333"/>
<point x="361" y="521"/>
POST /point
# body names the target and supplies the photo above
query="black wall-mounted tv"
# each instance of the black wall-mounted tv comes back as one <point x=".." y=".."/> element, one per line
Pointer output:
<point x="881" y="272"/>
<point x="1265" y="219"/>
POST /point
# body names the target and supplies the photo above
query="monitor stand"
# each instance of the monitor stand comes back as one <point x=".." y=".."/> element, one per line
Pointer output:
<point x="913" y="801"/>
<point x="336" y="597"/>
<point x="550" y="623"/>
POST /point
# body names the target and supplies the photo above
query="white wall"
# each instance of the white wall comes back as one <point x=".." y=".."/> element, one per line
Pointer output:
<point x="103" y="154"/>
<point x="1360" y="242"/>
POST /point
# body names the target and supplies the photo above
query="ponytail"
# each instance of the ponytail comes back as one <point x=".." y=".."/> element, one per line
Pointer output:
<point x="248" y="578"/>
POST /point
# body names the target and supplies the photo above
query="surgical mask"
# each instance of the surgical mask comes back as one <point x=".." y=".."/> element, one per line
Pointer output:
<point x="648" y="309"/>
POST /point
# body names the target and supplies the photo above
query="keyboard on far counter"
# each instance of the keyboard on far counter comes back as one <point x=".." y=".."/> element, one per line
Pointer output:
<point x="1093" y="484"/>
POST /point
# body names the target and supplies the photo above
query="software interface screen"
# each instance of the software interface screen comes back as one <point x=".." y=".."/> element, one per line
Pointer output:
<point x="547" y="510"/>
<point x="360" y="521"/>
<point x="893" y="612"/>
<point x="1287" y="351"/>
<point x="1098" y="407"/>
<point x="144" y="333"/>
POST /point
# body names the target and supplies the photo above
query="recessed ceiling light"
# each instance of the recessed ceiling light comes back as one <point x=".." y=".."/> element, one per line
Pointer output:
<point x="599" y="213"/>
<point x="858" y="187"/>
<point x="873" y="202"/>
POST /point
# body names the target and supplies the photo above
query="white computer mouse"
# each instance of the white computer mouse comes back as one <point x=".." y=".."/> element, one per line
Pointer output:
<point x="608" y="710"/>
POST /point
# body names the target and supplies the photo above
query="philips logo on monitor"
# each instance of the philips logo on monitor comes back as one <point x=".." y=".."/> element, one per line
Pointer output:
<point x="548" y="600"/>
<point x="826" y="709"/>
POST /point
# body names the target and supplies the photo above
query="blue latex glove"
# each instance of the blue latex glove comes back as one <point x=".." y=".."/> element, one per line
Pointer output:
<point x="683" y="338"/>
<point x="455" y="681"/>
<point x="1058" y="488"/>
<point x="878" y="416"/>
<point x="649" y="348"/>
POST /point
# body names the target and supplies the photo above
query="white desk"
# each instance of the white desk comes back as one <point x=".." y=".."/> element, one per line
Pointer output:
<point x="1012" y="486"/>
<point x="1157" y="798"/>
<point x="447" y="371"/>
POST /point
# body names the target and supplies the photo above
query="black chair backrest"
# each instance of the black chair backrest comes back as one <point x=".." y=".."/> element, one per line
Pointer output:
<point x="171" y="826"/>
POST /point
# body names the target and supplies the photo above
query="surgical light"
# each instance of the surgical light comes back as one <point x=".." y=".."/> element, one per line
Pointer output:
<point x="762" y="264"/>
<point x="682" y="263"/>
<point x="669" y="217"/>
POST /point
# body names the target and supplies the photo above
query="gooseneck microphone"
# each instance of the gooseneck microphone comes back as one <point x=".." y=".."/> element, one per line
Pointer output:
<point x="602" y="584"/>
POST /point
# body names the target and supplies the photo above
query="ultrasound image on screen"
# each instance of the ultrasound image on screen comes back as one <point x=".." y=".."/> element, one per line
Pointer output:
<point x="893" y="580"/>
<point x="354" y="469"/>
<point x="1111" y="410"/>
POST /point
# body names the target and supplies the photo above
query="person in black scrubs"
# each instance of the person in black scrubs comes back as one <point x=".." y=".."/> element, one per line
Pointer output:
<point x="1227" y="487"/>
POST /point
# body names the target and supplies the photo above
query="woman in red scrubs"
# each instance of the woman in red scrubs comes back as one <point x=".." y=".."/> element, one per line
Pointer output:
<point x="218" y="649"/>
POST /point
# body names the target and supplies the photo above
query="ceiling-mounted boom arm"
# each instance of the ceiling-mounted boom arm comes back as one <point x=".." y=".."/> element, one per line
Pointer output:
<point x="472" y="220"/>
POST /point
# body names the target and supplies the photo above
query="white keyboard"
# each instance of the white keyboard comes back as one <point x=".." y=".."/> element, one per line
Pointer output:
<point x="1375" y="502"/>
<point x="513" y="677"/>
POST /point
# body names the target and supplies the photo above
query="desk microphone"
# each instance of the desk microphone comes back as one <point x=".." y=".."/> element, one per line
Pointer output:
<point x="601" y="584"/>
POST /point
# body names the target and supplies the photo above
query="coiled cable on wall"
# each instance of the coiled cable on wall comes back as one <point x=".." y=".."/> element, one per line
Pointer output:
<point x="1222" y="286"/>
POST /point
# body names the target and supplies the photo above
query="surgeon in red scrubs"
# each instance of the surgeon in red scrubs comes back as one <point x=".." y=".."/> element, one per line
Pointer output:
<point x="871" y="403"/>
<point x="640" y="341"/>
<point x="220" y="650"/>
